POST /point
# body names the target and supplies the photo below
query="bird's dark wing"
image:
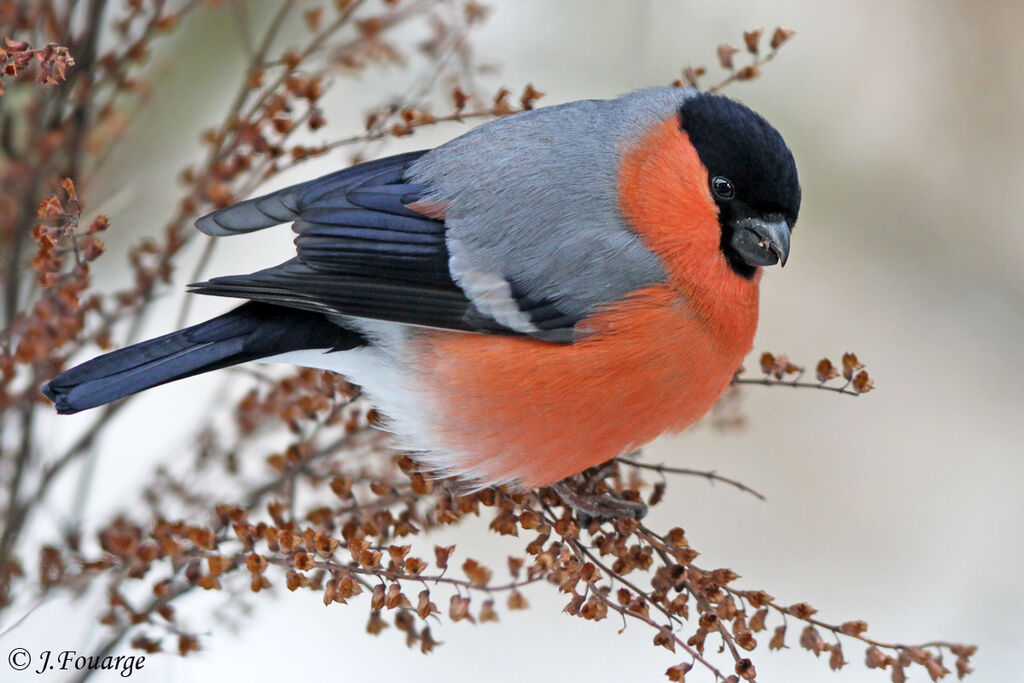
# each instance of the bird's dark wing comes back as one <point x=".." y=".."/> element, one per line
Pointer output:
<point x="250" y="332"/>
<point x="362" y="251"/>
<point x="297" y="285"/>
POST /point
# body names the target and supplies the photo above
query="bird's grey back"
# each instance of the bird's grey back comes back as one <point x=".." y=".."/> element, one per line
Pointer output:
<point x="533" y="198"/>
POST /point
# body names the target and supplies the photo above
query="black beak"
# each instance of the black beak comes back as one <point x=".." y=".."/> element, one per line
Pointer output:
<point x="761" y="242"/>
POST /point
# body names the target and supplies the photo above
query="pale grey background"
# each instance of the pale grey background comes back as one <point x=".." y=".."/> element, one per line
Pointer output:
<point x="902" y="508"/>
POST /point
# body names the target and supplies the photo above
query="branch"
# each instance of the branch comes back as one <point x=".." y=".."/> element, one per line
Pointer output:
<point x="710" y="475"/>
<point x="777" y="368"/>
<point x="769" y="382"/>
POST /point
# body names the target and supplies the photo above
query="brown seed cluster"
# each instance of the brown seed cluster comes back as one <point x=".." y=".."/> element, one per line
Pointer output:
<point x="780" y="371"/>
<point x="350" y="549"/>
<point x="17" y="57"/>
<point x="299" y="492"/>
<point x="726" y="53"/>
<point x="61" y="266"/>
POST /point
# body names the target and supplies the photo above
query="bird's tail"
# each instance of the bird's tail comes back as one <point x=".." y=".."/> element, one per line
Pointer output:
<point x="249" y="332"/>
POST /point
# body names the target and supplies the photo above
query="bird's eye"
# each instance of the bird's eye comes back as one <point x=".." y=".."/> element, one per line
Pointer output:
<point x="722" y="187"/>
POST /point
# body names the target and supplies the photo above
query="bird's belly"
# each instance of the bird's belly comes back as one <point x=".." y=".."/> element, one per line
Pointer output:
<point x="516" y="410"/>
<point x="493" y="409"/>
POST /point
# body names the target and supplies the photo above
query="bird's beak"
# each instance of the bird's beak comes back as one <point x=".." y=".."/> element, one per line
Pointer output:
<point x="762" y="242"/>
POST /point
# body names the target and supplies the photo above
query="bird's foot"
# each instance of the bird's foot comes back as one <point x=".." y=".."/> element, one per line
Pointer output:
<point x="592" y="500"/>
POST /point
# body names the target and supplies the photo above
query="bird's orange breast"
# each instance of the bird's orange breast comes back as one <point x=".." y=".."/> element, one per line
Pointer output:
<point x="524" y="410"/>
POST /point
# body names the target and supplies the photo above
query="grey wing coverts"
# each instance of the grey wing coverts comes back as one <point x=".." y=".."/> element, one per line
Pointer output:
<point x="532" y="205"/>
<point x="531" y="242"/>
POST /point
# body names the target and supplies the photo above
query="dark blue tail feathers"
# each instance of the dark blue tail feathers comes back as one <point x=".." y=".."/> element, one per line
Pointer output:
<point x="249" y="332"/>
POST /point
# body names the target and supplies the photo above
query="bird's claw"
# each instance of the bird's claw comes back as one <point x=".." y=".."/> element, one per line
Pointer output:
<point x="580" y="492"/>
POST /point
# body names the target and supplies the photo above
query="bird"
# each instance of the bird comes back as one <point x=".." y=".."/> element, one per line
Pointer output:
<point x="533" y="298"/>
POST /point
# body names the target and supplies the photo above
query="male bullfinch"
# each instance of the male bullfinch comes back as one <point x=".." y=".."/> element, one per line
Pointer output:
<point x="531" y="299"/>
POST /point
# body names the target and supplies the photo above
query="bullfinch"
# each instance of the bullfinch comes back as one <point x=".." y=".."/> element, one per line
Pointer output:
<point x="531" y="299"/>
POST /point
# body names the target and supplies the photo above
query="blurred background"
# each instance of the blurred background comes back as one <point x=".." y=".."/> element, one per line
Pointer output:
<point x="903" y="507"/>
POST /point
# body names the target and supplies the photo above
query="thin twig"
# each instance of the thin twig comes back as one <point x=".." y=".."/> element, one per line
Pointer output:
<point x="767" y="382"/>
<point x="113" y="641"/>
<point x="15" y="507"/>
<point x="579" y="548"/>
<point x="19" y="511"/>
<point x="458" y="117"/>
<point x="217" y="149"/>
<point x="734" y="75"/>
<point x="710" y="475"/>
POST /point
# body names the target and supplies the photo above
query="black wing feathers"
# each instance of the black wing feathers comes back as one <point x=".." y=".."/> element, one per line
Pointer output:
<point x="297" y="285"/>
<point x="361" y="251"/>
<point x="284" y="205"/>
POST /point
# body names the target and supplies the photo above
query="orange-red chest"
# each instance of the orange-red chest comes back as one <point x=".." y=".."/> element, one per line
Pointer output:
<point x="515" y="409"/>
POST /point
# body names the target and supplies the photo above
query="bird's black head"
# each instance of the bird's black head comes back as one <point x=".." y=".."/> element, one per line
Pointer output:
<point x="752" y="178"/>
